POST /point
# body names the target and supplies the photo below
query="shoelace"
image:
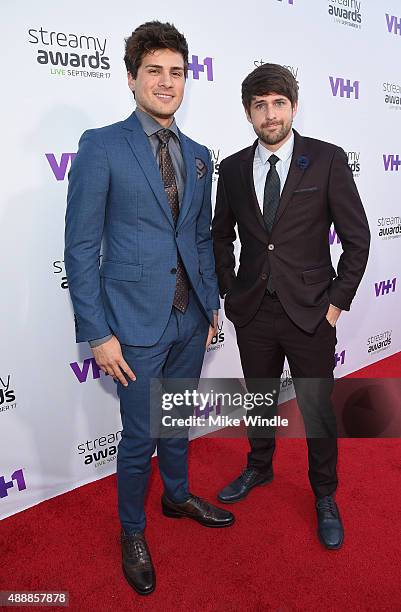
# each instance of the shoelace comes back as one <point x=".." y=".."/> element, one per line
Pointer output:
<point x="138" y="549"/>
<point x="246" y="475"/>
<point x="201" y="503"/>
<point x="327" y="505"/>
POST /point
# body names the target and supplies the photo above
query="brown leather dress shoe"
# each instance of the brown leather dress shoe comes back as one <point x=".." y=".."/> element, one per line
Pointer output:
<point x="199" y="510"/>
<point x="137" y="563"/>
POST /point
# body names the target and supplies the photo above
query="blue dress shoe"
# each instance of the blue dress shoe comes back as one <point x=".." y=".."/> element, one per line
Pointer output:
<point x="330" y="529"/>
<point x="240" y="487"/>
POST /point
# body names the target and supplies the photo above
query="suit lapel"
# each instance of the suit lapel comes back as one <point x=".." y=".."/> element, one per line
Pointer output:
<point x="190" y="178"/>
<point x="247" y="177"/>
<point x="141" y="148"/>
<point x="295" y="174"/>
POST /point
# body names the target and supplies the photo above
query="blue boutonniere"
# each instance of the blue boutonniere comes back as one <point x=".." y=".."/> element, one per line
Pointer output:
<point x="302" y="162"/>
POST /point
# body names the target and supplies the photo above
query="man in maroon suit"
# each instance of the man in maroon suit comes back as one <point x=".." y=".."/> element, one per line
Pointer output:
<point x="283" y="193"/>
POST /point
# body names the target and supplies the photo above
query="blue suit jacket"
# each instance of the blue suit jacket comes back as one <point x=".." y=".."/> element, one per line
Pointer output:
<point x="116" y="195"/>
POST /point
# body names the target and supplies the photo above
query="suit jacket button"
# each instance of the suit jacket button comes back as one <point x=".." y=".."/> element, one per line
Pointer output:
<point x="270" y="247"/>
<point x="173" y="270"/>
<point x="263" y="276"/>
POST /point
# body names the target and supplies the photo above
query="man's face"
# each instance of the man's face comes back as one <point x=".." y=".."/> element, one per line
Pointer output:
<point x="159" y="84"/>
<point x="271" y="116"/>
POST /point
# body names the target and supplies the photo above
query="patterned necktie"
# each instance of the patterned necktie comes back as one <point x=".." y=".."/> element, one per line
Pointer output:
<point x="271" y="200"/>
<point x="170" y="187"/>
<point x="271" y="197"/>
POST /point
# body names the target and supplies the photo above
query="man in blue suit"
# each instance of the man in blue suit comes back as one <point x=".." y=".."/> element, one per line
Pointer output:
<point x="143" y="188"/>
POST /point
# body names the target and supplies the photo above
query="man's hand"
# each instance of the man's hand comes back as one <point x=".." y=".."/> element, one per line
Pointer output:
<point x="332" y="314"/>
<point x="109" y="358"/>
<point x="212" y="330"/>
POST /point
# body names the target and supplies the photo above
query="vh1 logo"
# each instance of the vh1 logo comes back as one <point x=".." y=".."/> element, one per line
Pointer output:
<point x="81" y="371"/>
<point x="333" y="237"/>
<point x="340" y="358"/>
<point x="59" y="168"/>
<point x="197" y="67"/>
<point x="17" y="478"/>
<point x="344" y="88"/>
<point x="391" y="163"/>
<point x="393" y="24"/>
<point x="385" y="287"/>
<point x="203" y="413"/>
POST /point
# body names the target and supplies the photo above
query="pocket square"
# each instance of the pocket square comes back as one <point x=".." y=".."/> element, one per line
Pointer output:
<point x="201" y="167"/>
<point x="306" y="190"/>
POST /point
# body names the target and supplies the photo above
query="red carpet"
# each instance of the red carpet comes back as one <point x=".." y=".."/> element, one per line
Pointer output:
<point x="270" y="560"/>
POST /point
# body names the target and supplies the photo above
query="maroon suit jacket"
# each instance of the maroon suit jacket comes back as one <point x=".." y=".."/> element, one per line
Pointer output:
<point x="319" y="190"/>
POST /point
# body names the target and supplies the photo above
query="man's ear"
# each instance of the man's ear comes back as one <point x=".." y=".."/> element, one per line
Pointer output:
<point x="248" y="116"/>
<point x="131" y="82"/>
<point x="294" y="109"/>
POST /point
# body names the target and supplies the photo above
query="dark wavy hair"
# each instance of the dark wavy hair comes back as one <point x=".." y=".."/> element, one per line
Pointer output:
<point x="150" y="36"/>
<point x="267" y="79"/>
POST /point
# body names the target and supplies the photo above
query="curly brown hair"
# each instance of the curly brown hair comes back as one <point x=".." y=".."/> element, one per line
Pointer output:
<point x="150" y="36"/>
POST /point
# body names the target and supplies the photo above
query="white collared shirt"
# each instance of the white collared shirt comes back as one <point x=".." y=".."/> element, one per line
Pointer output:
<point x="261" y="166"/>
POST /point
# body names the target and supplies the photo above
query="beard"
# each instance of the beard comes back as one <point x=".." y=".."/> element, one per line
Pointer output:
<point x="272" y="138"/>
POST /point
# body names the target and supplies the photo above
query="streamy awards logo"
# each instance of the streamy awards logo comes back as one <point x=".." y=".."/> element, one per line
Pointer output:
<point x="354" y="162"/>
<point x="346" y="12"/>
<point x="217" y="342"/>
<point x="215" y="156"/>
<point x="379" y="342"/>
<point x="100" y="451"/>
<point x="69" y="54"/>
<point x="59" y="270"/>
<point x="392" y="95"/>
<point x="388" y="227"/>
<point x="7" y="394"/>
<point x="286" y="381"/>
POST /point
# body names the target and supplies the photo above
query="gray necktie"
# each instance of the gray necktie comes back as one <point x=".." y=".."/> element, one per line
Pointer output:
<point x="271" y="201"/>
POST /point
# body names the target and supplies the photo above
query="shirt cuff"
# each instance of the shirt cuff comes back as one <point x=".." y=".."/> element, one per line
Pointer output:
<point x="99" y="341"/>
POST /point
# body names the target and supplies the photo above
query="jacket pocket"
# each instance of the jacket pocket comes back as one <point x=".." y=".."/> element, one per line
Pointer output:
<point x="306" y="190"/>
<point x="318" y="275"/>
<point x="121" y="271"/>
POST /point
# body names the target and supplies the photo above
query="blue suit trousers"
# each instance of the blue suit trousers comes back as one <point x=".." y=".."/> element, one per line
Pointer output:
<point x="178" y="354"/>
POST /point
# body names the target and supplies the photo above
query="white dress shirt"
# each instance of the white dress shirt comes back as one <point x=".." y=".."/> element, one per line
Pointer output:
<point x="261" y="166"/>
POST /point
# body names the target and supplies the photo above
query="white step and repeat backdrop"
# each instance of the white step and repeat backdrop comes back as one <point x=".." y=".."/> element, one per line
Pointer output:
<point x="63" y="73"/>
